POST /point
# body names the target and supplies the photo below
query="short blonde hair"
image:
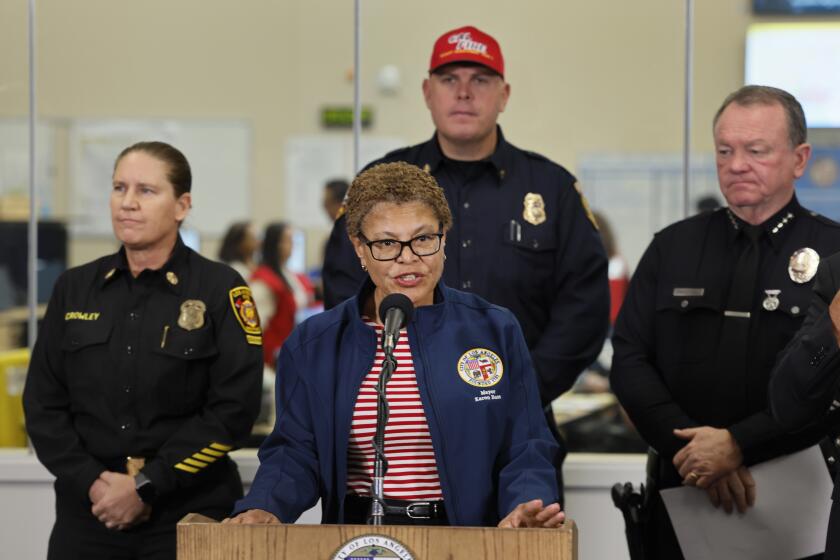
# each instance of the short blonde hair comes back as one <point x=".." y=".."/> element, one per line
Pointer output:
<point x="399" y="183"/>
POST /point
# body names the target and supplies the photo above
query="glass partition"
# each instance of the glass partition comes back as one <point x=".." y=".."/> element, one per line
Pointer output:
<point x="259" y="100"/>
<point x="14" y="217"/>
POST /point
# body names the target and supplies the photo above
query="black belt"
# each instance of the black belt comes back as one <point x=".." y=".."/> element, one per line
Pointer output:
<point x="357" y="508"/>
<point x="417" y="510"/>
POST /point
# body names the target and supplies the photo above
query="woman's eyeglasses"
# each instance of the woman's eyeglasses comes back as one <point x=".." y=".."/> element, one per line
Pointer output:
<point x="390" y="249"/>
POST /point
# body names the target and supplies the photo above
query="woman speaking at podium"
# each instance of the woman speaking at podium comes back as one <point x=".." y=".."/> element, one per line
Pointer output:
<point x="465" y="442"/>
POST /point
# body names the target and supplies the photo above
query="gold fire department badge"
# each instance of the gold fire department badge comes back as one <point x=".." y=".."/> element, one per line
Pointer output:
<point x="192" y="315"/>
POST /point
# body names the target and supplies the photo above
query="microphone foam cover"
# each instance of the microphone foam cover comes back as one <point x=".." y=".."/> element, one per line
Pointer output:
<point x="399" y="301"/>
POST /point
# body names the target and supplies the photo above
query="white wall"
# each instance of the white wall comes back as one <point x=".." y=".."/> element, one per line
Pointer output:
<point x="27" y="501"/>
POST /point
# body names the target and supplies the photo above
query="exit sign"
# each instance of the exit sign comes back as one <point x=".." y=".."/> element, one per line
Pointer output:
<point x="342" y="117"/>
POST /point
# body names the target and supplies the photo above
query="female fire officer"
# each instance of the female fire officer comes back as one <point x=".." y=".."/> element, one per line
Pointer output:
<point x="145" y="375"/>
<point x="466" y="442"/>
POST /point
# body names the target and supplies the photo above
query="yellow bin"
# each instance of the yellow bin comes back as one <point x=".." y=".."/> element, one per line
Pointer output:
<point x="13" y="366"/>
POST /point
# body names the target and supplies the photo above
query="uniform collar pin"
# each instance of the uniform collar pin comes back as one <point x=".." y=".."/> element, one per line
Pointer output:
<point x="732" y="219"/>
<point x="782" y="223"/>
<point x="172" y="278"/>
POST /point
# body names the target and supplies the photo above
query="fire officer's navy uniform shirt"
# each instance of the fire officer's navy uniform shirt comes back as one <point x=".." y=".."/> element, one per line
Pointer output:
<point x="522" y="238"/>
<point x="166" y="366"/>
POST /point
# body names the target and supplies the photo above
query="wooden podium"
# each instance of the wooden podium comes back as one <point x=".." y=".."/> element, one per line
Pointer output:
<point x="201" y="538"/>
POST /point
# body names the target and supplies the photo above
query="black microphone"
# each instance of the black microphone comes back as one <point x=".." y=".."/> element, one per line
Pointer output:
<point x="395" y="312"/>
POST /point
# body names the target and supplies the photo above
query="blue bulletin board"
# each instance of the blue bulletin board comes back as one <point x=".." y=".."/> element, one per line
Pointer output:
<point x="819" y="188"/>
<point x="796" y="7"/>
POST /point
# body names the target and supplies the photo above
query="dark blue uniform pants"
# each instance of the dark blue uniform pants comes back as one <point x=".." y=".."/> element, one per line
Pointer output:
<point x="77" y="534"/>
<point x="80" y="537"/>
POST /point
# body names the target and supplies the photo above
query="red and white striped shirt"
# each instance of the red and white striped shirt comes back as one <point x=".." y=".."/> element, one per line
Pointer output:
<point x="412" y="472"/>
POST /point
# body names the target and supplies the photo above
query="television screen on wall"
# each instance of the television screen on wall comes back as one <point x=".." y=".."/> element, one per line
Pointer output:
<point x="802" y="58"/>
<point x="796" y="6"/>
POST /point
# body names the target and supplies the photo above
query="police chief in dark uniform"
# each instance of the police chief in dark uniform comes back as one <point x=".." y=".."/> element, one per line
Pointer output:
<point x="146" y="373"/>
<point x="522" y="235"/>
<point x="804" y="383"/>
<point x="713" y="300"/>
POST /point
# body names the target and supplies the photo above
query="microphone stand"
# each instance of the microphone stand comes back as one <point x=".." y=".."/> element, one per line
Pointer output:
<point x="380" y="463"/>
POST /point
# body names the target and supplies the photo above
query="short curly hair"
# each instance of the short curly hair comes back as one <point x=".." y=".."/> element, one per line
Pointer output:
<point x="399" y="183"/>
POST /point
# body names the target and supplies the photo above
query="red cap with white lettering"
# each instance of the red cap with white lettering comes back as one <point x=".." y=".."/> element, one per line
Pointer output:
<point x="467" y="44"/>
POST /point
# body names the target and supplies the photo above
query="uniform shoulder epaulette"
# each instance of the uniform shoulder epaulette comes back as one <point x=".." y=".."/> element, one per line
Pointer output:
<point x="210" y="268"/>
<point x="550" y="163"/>
<point x="822" y="219"/>
<point x="536" y="155"/>
<point x="396" y="153"/>
<point x="696" y="223"/>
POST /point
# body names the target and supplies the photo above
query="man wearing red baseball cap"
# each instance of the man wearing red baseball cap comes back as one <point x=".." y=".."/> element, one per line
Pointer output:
<point x="523" y="236"/>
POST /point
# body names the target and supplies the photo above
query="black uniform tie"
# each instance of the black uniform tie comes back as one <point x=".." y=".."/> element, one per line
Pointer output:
<point x="736" y="321"/>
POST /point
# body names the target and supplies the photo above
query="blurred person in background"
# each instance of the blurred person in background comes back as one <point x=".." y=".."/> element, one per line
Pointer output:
<point x="334" y="192"/>
<point x="708" y="203"/>
<point x="239" y="247"/>
<point x="273" y="291"/>
<point x="617" y="271"/>
<point x="595" y="378"/>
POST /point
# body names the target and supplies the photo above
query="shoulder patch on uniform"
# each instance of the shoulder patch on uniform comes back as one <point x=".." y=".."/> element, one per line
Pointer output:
<point x="246" y="313"/>
<point x="586" y="208"/>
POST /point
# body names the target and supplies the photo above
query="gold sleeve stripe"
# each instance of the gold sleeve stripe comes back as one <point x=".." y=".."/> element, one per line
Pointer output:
<point x="212" y="452"/>
<point x="193" y="462"/>
<point x="221" y="446"/>
<point x="203" y="457"/>
<point x="186" y="468"/>
<point x="254" y="340"/>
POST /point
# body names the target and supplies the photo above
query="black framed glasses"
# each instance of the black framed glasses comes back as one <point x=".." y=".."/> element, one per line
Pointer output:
<point x="390" y="249"/>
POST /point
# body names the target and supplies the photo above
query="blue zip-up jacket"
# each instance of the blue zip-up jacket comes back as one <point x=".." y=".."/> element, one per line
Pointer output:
<point x="492" y="446"/>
